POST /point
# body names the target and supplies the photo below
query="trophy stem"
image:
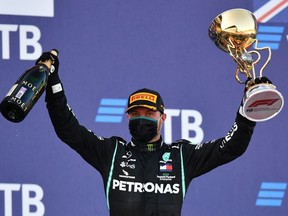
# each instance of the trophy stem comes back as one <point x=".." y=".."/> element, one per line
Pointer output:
<point x="248" y="75"/>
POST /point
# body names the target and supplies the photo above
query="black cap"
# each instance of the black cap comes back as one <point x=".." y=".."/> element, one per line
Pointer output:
<point x="146" y="98"/>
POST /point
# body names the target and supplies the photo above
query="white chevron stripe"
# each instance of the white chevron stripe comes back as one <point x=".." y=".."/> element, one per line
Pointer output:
<point x="270" y="9"/>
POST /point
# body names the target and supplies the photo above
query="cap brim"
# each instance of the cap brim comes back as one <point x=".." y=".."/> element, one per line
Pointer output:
<point x="142" y="105"/>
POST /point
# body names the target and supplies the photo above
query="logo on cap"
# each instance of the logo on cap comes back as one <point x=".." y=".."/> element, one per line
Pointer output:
<point x="143" y="96"/>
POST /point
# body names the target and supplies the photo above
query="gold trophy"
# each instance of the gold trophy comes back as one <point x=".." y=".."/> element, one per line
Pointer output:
<point x="234" y="31"/>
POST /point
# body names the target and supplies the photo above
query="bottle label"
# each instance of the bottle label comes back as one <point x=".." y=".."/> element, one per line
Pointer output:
<point x="11" y="90"/>
<point x="21" y="92"/>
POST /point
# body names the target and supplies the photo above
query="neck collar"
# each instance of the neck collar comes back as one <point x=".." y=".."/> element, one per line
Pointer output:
<point x="147" y="147"/>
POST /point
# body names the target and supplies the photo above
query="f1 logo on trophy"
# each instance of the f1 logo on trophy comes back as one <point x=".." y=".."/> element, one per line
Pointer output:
<point x="234" y="31"/>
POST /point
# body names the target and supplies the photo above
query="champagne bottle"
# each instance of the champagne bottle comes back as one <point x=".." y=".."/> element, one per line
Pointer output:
<point x="26" y="91"/>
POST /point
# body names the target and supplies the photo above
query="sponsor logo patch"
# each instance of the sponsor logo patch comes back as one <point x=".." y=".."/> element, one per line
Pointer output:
<point x="166" y="167"/>
<point x="143" y="96"/>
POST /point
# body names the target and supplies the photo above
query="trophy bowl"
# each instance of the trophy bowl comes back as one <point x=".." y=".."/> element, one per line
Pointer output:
<point x="235" y="27"/>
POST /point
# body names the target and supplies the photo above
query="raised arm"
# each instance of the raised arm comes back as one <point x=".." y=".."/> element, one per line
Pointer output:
<point x="94" y="149"/>
<point x="204" y="157"/>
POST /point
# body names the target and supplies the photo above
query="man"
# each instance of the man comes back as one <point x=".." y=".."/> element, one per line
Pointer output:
<point x="146" y="176"/>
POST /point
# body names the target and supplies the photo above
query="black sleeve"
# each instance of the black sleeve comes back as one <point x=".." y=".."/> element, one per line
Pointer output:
<point x="96" y="150"/>
<point x="202" y="158"/>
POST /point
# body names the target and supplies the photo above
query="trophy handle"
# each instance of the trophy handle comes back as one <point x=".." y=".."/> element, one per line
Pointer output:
<point x="268" y="58"/>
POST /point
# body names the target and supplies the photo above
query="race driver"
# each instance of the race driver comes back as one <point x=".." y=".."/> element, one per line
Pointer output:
<point x="145" y="176"/>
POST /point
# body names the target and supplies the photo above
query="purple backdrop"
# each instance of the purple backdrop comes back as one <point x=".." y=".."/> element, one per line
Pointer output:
<point x="109" y="49"/>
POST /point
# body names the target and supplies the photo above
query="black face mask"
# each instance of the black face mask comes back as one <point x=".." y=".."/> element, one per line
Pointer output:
<point x="143" y="129"/>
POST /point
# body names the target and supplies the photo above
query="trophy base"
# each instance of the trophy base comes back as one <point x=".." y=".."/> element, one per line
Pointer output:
<point x="262" y="102"/>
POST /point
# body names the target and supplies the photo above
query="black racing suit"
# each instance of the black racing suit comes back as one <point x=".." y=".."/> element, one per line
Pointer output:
<point x="143" y="183"/>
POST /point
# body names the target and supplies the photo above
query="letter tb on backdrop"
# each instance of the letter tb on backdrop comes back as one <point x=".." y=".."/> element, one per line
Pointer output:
<point x="112" y="48"/>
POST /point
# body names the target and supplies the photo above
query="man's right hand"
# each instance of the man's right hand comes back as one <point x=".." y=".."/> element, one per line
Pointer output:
<point x="54" y="84"/>
<point x="50" y="56"/>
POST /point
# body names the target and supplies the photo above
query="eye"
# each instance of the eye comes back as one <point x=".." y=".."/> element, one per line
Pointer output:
<point x="133" y="114"/>
<point x="149" y="114"/>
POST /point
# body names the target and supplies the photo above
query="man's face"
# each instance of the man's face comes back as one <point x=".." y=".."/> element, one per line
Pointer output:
<point x="145" y="112"/>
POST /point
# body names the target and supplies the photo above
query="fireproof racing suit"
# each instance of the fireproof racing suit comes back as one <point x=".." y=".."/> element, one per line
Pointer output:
<point x="146" y="183"/>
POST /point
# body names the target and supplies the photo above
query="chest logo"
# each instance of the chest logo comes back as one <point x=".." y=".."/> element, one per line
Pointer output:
<point x="166" y="156"/>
